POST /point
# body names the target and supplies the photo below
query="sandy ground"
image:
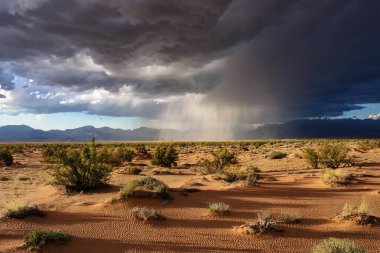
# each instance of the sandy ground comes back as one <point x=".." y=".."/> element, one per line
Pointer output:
<point x="99" y="226"/>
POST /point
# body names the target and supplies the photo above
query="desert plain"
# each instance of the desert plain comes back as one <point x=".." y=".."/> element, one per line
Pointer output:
<point x="100" y="222"/>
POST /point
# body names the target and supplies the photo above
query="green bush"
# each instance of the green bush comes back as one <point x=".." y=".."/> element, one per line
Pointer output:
<point x="277" y="155"/>
<point x="234" y="174"/>
<point x="145" y="187"/>
<point x="336" y="177"/>
<point x="221" y="159"/>
<point x="225" y="157"/>
<point x="334" y="245"/>
<point x="332" y="155"/>
<point x="116" y="156"/>
<point x="145" y="214"/>
<point x="141" y="149"/>
<point x="49" y="153"/>
<point x="253" y="176"/>
<point x="81" y="170"/>
<point x="6" y="157"/>
<point x="219" y="208"/>
<point x="206" y="167"/>
<point x="368" y="144"/>
<point x="311" y="157"/>
<point x="165" y="155"/>
<point x="35" y="239"/>
<point x="20" y="210"/>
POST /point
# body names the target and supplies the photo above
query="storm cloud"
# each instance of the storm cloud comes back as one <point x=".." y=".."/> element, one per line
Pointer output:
<point x="265" y="60"/>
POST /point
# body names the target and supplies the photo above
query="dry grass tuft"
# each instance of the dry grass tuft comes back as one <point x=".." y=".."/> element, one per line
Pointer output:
<point x="219" y="208"/>
<point x="145" y="214"/>
<point x="19" y="210"/>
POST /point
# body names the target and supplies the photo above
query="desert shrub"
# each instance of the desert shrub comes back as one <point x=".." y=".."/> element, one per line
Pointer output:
<point x="363" y="208"/>
<point x="144" y="213"/>
<point x="334" y="245"/>
<point x="116" y="156"/>
<point x="19" y="210"/>
<point x="336" y="177"/>
<point x="265" y="218"/>
<point x="6" y="157"/>
<point x="141" y="149"/>
<point x="366" y="145"/>
<point x="205" y="167"/>
<point x="358" y="213"/>
<point x="253" y="176"/>
<point x="4" y="178"/>
<point x="289" y="218"/>
<point x="22" y="177"/>
<point x="264" y="224"/>
<point x="49" y="153"/>
<point x="150" y="186"/>
<point x="348" y="210"/>
<point x="35" y="239"/>
<point x="236" y="174"/>
<point x="216" y="166"/>
<point x="123" y="154"/>
<point x="165" y="155"/>
<point x="132" y="170"/>
<point x="277" y="155"/>
<point x="311" y="157"/>
<point x="244" y="146"/>
<point x="225" y="157"/>
<point x="219" y="208"/>
<point x="332" y="155"/>
<point x="162" y="172"/>
<point x="81" y="170"/>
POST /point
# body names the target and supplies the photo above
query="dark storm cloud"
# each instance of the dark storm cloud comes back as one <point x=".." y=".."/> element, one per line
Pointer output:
<point x="2" y="96"/>
<point x="318" y="58"/>
<point x="288" y="58"/>
<point x="119" y="35"/>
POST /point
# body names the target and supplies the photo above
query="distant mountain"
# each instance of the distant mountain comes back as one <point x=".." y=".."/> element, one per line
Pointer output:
<point x="339" y="128"/>
<point x="14" y="133"/>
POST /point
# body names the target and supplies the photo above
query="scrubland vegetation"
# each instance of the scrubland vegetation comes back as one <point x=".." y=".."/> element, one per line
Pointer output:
<point x="219" y="208"/>
<point x="334" y="245"/>
<point x="20" y="210"/>
<point x="164" y="155"/>
<point x="336" y="177"/>
<point x="329" y="155"/>
<point x="81" y="169"/>
<point x="145" y="214"/>
<point x="221" y="170"/>
<point x="35" y="239"/>
<point x="145" y="187"/>
<point x="358" y="213"/>
<point x="6" y="156"/>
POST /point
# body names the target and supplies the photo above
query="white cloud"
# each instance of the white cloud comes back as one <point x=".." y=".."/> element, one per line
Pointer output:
<point x="374" y="116"/>
<point x="40" y="117"/>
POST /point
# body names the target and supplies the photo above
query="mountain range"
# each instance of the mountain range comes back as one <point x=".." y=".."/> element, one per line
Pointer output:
<point x="317" y="128"/>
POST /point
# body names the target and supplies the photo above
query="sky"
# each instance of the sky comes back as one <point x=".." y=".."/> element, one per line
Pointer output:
<point x="216" y="64"/>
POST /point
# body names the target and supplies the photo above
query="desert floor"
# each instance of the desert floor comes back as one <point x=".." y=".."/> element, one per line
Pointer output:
<point x="287" y="185"/>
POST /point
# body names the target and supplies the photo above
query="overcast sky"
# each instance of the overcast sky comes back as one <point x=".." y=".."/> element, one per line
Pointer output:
<point x="187" y="64"/>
